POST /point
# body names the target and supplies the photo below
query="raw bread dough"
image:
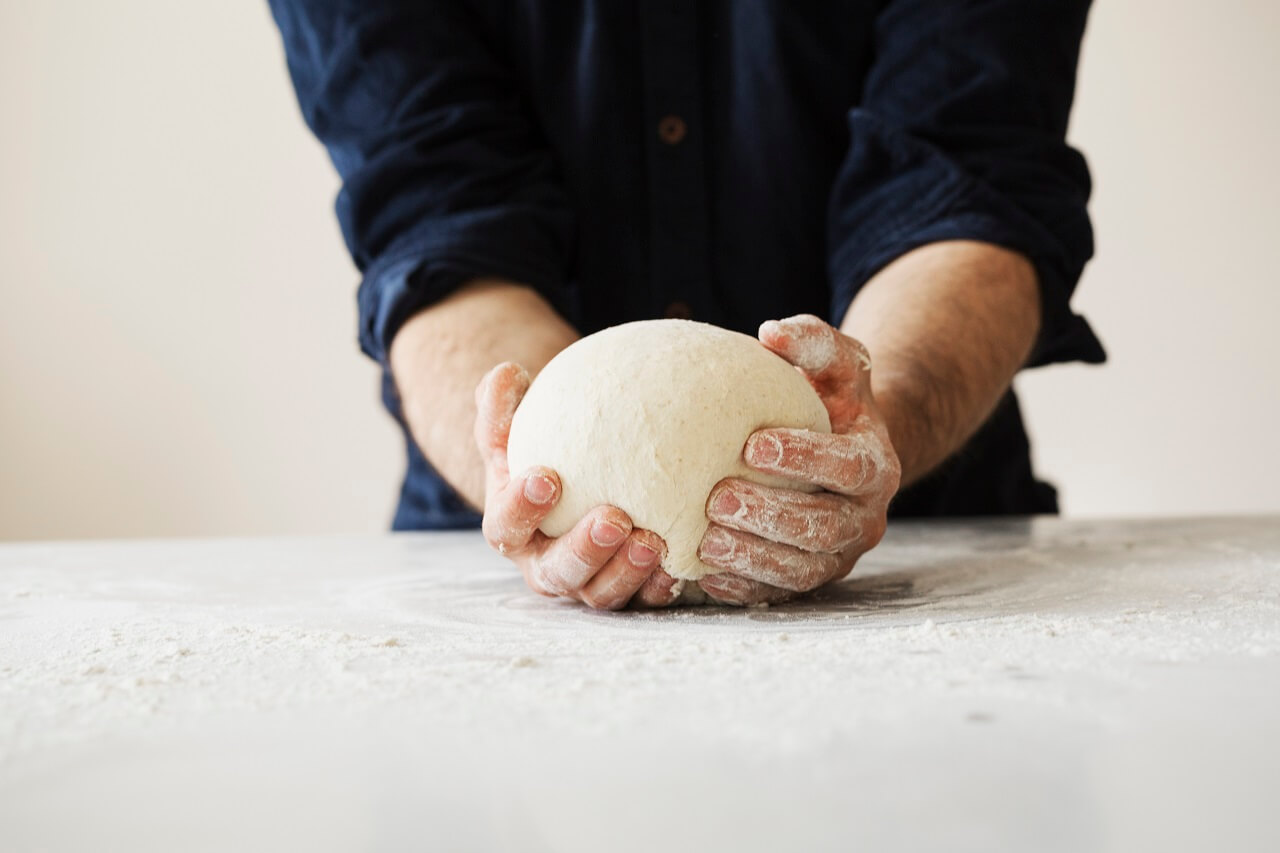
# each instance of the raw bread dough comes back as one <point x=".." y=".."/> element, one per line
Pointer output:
<point x="648" y="417"/>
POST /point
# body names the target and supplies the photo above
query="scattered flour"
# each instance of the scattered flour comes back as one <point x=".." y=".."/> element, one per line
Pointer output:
<point x="1051" y="615"/>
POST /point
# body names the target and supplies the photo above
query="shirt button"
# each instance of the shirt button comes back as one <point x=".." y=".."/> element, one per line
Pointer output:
<point x="678" y="311"/>
<point x="671" y="129"/>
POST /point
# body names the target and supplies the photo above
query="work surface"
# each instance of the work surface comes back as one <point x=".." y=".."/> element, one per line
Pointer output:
<point x="1021" y="685"/>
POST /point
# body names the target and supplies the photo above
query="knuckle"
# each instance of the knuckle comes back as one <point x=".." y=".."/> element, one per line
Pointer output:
<point x="811" y="580"/>
<point x="667" y="593"/>
<point x="574" y="560"/>
<point x="851" y="526"/>
<point x="814" y="575"/>
<point x="532" y="581"/>
<point x="652" y="598"/>
<point x="494" y="534"/>
<point x="548" y="578"/>
<point x="812" y="454"/>
<point x="893" y="477"/>
<point x="813" y="343"/>
<point x="803" y="571"/>
<point x="792" y="578"/>
<point x="507" y="525"/>
<point x="856" y="466"/>
<point x="828" y="537"/>
<point x="659" y="589"/>
<point x="832" y="565"/>
<point x="649" y="596"/>
<point x="857" y="352"/>
<point x="874" y="532"/>
<point x="829" y="526"/>
<point x="788" y="582"/>
<point x="609" y="592"/>
<point x="844" y="566"/>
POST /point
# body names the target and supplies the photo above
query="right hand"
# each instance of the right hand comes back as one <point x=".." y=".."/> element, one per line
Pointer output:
<point x="602" y="562"/>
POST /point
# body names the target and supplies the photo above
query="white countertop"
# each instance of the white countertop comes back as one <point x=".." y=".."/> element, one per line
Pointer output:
<point x="1001" y="685"/>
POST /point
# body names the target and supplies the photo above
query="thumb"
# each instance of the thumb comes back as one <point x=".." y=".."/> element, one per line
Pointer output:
<point x="497" y="396"/>
<point x="832" y="361"/>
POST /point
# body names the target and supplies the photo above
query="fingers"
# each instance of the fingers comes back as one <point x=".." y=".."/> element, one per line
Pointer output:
<point x="571" y="560"/>
<point x="732" y="589"/>
<point x="784" y="566"/>
<point x="513" y="512"/>
<point x="660" y="590"/>
<point x="811" y="522"/>
<point x="849" y="464"/>
<point x="497" y="396"/>
<point x="626" y="572"/>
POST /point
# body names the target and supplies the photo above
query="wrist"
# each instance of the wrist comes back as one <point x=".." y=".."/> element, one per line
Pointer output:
<point x="905" y="408"/>
<point x="441" y="353"/>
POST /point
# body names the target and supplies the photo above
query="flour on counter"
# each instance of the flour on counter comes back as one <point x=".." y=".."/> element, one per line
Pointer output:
<point x="96" y="640"/>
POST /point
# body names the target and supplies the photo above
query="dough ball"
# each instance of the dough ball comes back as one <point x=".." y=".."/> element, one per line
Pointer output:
<point x="648" y="417"/>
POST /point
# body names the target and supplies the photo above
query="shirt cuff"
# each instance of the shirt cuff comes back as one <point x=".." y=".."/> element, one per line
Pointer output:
<point x="897" y="193"/>
<point x="426" y="265"/>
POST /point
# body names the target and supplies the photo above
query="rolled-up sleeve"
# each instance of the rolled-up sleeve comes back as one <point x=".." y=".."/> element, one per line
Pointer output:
<point x="445" y="177"/>
<point x="960" y="134"/>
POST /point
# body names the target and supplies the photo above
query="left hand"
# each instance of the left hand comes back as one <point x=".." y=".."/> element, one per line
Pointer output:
<point x="772" y="543"/>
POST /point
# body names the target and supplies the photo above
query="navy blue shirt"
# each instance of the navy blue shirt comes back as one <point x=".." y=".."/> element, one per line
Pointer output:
<point x="726" y="160"/>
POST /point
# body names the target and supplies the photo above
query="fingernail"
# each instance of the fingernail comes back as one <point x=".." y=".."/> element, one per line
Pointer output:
<point x="770" y="327"/>
<point x="641" y="555"/>
<point x="726" y="503"/>
<point x="715" y="543"/>
<point x="606" y="535"/>
<point x="539" y="489"/>
<point x="764" y="450"/>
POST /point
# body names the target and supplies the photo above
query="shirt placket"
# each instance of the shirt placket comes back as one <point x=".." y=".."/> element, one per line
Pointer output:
<point x="679" y="268"/>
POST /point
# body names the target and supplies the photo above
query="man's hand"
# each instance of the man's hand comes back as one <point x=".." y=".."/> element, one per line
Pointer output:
<point x="602" y="562"/>
<point x="772" y="543"/>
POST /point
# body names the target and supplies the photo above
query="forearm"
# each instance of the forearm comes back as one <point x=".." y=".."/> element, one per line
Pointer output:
<point x="947" y="325"/>
<point x="440" y="354"/>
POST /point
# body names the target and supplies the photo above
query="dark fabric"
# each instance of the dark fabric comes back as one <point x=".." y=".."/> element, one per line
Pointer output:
<point x="988" y="476"/>
<point x="815" y="143"/>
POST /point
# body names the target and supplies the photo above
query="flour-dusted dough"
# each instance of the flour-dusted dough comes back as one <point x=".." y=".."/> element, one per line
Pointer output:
<point x="648" y="417"/>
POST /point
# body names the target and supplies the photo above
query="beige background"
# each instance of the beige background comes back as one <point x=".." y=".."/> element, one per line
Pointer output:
<point x="177" y="350"/>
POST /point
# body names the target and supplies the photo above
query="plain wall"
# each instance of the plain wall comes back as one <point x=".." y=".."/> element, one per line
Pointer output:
<point x="177" y="339"/>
